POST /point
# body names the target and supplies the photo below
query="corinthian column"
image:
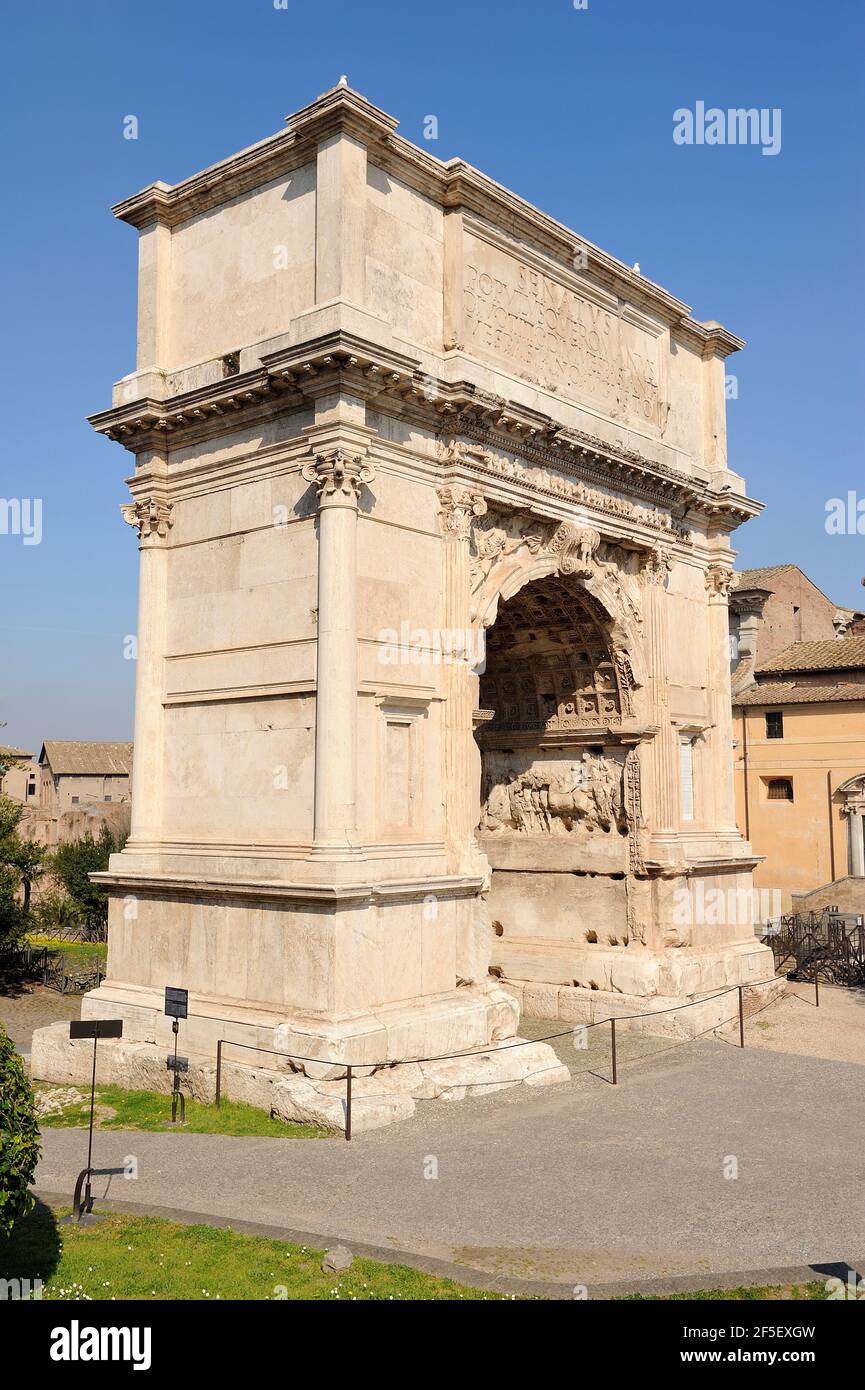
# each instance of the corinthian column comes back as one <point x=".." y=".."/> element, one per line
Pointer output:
<point x="720" y="581"/>
<point x="458" y="506"/>
<point x="152" y="517"/>
<point x="339" y="480"/>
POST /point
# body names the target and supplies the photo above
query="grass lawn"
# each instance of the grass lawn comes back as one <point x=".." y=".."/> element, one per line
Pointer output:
<point x="143" y="1257"/>
<point x="152" y="1111"/>
<point x="97" y="949"/>
<point x="130" y="1257"/>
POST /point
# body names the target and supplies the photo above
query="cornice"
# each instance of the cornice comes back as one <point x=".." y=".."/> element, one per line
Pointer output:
<point x="454" y="185"/>
<point x="288" y="379"/>
<point x="215" y="888"/>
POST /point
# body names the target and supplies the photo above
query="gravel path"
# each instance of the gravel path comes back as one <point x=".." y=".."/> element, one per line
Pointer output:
<point x="25" y="1007"/>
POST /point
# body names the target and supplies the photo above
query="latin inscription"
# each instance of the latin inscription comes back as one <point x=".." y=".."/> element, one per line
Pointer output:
<point x="561" y="340"/>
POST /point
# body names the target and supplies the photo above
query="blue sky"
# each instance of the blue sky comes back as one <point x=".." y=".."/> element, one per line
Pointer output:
<point x="573" y="109"/>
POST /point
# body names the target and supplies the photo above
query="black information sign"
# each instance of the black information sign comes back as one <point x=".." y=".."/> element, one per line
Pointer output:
<point x="96" y="1028"/>
<point x="177" y="1063"/>
<point x="176" y="1002"/>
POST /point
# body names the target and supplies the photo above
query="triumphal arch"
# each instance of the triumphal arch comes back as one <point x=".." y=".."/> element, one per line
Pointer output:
<point x="433" y="698"/>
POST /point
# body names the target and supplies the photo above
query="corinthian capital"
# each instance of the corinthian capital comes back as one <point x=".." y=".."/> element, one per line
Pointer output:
<point x="337" y="475"/>
<point x="151" y="515"/>
<point x="656" y="565"/>
<point x="720" y="581"/>
<point x="457" y="507"/>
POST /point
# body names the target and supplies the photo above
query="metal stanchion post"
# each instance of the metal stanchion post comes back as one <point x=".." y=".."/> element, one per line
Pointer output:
<point x="82" y="1205"/>
<point x="613" y="1040"/>
<point x="218" y="1073"/>
<point x="741" y="1019"/>
<point x="348" y="1102"/>
<point x="87" y="1205"/>
<point x="817" y="987"/>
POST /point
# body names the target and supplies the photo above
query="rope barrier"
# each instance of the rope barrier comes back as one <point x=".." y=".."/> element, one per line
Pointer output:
<point x="498" y="1047"/>
<point x="613" y="1019"/>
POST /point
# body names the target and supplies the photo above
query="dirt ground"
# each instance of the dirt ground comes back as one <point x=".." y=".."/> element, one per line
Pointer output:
<point x="834" y="1031"/>
<point x="24" y="1007"/>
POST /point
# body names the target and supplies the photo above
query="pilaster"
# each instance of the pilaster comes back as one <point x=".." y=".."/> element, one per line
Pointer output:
<point x="458" y="506"/>
<point x="661" y="756"/>
<point x="720" y="581"/>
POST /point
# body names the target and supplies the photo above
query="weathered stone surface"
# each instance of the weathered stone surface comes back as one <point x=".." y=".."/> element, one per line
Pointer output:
<point x="508" y="1065"/>
<point x="56" y="1099"/>
<point x="380" y="1099"/>
<point x="337" y="1260"/>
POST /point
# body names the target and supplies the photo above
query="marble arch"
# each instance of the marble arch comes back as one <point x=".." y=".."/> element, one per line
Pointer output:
<point x="390" y="432"/>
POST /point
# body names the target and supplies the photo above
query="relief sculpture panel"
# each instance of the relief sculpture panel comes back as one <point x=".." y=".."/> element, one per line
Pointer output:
<point x="564" y="796"/>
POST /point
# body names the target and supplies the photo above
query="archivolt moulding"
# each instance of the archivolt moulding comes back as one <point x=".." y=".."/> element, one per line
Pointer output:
<point x="508" y="552"/>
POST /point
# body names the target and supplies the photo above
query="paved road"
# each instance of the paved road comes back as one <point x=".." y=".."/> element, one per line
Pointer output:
<point x="583" y="1183"/>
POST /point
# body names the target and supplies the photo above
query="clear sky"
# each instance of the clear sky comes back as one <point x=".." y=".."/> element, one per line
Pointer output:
<point x="572" y="108"/>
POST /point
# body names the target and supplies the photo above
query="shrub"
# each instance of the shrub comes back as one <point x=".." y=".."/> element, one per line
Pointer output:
<point x="55" y="915"/>
<point x="73" y="863"/>
<point x="19" y="1137"/>
<point x="11" y="916"/>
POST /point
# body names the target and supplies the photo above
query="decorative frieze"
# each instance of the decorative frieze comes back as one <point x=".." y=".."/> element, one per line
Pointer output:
<point x="458" y="452"/>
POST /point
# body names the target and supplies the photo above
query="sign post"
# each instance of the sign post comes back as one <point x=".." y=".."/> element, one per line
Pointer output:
<point x="95" y="1028"/>
<point x="177" y="1007"/>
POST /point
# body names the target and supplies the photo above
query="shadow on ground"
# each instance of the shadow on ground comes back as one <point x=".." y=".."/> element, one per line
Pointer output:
<point x="34" y="1247"/>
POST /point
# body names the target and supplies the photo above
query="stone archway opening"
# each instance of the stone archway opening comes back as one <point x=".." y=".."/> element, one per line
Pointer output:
<point x="554" y="819"/>
<point x="549" y="662"/>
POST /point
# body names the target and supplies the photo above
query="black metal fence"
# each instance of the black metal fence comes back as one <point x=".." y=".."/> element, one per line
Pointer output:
<point x="52" y="968"/>
<point x="826" y="945"/>
<point x="80" y="933"/>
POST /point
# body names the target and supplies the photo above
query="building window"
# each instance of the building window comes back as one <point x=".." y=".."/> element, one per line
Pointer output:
<point x="686" y="777"/>
<point x="774" y="723"/>
<point x="74" y="800"/>
<point x="31" y="787"/>
<point x="108" y="798"/>
<point x="779" y="789"/>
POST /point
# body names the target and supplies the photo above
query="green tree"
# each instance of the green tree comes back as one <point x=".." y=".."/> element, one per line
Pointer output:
<point x="11" y="916"/>
<point x="73" y="863"/>
<point x="27" y="857"/>
<point x="10" y="816"/>
<point x="10" y="879"/>
<point x="19" y="1137"/>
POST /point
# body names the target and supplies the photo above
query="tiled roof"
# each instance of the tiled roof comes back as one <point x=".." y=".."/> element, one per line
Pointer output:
<point x="756" y="579"/>
<point x="789" y="693"/>
<point x="7" y="752"/>
<point x="844" y="654"/>
<point x="83" y="759"/>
